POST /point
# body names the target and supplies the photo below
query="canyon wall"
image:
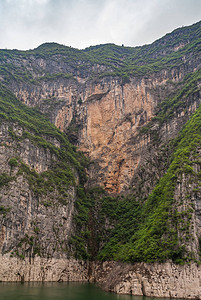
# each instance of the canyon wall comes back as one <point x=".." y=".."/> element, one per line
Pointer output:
<point x="103" y="118"/>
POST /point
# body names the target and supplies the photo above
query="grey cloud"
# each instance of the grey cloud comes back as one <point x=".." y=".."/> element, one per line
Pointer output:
<point x="26" y="24"/>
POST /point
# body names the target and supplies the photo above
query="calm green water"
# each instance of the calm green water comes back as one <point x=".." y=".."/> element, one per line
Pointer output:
<point x="58" y="291"/>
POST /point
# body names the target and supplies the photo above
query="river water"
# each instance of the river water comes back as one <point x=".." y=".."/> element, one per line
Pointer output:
<point x="59" y="291"/>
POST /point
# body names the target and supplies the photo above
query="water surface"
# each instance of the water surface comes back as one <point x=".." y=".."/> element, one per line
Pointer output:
<point x="59" y="291"/>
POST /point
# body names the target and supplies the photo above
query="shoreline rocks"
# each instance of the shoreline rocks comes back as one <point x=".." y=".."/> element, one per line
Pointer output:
<point x="153" y="280"/>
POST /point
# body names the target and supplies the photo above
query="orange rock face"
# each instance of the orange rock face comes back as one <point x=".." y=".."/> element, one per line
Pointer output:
<point x="109" y="116"/>
<point x="111" y="124"/>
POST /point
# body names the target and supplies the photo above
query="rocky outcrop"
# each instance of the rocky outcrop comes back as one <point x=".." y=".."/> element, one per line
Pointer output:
<point x="41" y="269"/>
<point x="153" y="280"/>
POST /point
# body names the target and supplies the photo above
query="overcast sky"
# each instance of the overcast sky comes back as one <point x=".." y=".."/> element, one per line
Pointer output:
<point x="25" y="24"/>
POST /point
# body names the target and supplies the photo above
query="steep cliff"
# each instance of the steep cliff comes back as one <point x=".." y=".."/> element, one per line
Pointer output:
<point x="134" y="112"/>
<point x="40" y="172"/>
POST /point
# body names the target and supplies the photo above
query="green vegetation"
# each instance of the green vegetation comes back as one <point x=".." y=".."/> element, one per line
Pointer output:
<point x="54" y="76"/>
<point x="79" y="101"/>
<point x="36" y="230"/>
<point x="5" y="179"/>
<point x="13" y="162"/>
<point x="27" y="244"/>
<point x="4" y="210"/>
<point x="79" y="241"/>
<point x="57" y="178"/>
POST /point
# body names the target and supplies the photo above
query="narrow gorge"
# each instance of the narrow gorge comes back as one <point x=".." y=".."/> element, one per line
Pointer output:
<point x="101" y="165"/>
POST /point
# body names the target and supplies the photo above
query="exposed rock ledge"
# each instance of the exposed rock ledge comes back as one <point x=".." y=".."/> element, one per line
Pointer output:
<point x="42" y="269"/>
<point x="155" y="280"/>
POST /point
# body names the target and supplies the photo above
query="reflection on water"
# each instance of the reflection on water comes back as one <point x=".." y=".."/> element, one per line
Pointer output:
<point x="59" y="291"/>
